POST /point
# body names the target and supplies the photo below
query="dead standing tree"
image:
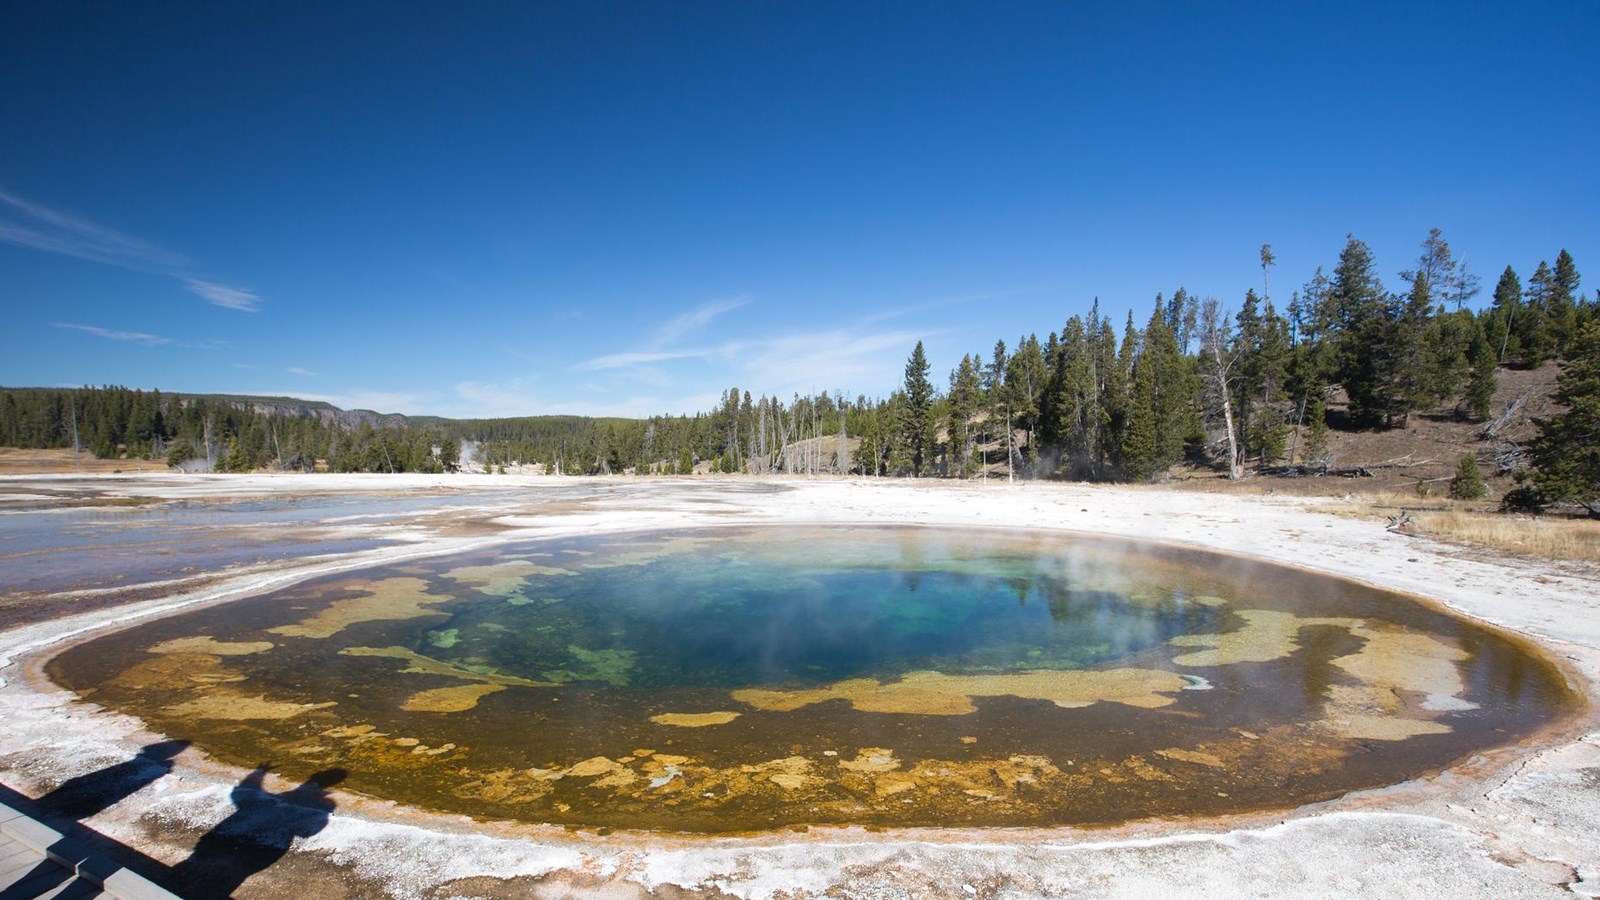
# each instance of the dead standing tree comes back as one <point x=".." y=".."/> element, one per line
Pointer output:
<point x="1215" y="338"/>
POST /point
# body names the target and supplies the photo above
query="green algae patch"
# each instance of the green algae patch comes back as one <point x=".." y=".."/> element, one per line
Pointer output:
<point x="609" y="666"/>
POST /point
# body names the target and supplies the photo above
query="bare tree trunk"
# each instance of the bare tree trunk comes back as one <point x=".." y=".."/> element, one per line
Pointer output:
<point x="77" y="448"/>
<point x="842" y="458"/>
<point x="1511" y="315"/>
<point x="211" y="454"/>
<point x="1214" y="336"/>
<point x="1235" y="467"/>
<point x="761" y="431"/>
<point x="1299" y="420"/>
<point x="1011" y="475"/>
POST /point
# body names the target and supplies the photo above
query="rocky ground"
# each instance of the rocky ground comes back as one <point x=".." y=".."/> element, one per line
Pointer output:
<point x="1519" y="822"/>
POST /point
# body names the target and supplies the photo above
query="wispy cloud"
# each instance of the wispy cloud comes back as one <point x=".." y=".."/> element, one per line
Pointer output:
<point x="224" y="295"/>
<point x="24" y="223"/>
<point x="52" y="231"/>
<point x="838" y="359"/>
<point x="978" y="299"/>
<point x="141" y="337"/>
<point x="853" y="358"/>
<point x="864" y="354"/>
<point x="659" y="348"/>
<point x="520" y="397"/>
<point x="136" y="337"/>
<point x="643" y="358"/>
<point x="694" y="320"/>
<point x="303" y="373"/>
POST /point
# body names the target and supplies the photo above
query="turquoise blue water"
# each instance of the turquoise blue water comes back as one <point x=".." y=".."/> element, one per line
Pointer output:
<point x="734" y="615"/>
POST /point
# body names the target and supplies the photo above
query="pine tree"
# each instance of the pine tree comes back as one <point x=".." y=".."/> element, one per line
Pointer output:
<point x="1054" y="411"/>
<point x="1268" y="374"/>
<point x="916" y="423"/>
<point x="1069" y="411"/>
<point x="963" y="405"/>
<point x="179" y="453"/>
<point x="1481" y="381"/>
<point x="1447" y="349"/>
<point x="1110" y="387"/>
<point x="1436" y="267"/>
<point x="1500" y="322"/>
<point x="1564" y="281"/>
<point x="1119" y="401"/>
<point x="1468" y="481"/>
<point x="1140" y="453"/>
<point x="1026" y="373"/>
<point x="1246" y="350"/>
<point x="1364" y="316"/>
<point x="998" y="395"/>
<point x="1314" y="364"/>
<point x="1536" y="331"/>
<point x="1175" y="389"/>
<point x="1406" y="386"/>
<point x="1566" y="454"/>
<point x="1312" y="361"/>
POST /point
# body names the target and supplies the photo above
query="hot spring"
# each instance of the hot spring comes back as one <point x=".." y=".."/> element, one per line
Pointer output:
<point x="721" y="680"/>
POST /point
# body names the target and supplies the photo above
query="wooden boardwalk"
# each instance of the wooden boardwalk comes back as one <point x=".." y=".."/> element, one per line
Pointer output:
<point x="36" y="861"/>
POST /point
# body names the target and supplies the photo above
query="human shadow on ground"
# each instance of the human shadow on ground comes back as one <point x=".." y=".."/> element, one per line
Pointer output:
<point x="81" y="797"/>
<point x="256" y="835"/>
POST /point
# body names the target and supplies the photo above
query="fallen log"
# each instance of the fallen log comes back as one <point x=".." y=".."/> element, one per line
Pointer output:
<point x="1491" y="430"/>
<point x="1304" y="471"/>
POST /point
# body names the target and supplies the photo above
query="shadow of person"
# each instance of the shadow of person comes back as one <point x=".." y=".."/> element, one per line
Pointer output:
<point x="257" y="834"/>
<point x="85" y="795"/>
<point x="81" y="797"/>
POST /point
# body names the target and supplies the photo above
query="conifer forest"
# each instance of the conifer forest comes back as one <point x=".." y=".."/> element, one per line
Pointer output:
<point x="1249" y="384"/>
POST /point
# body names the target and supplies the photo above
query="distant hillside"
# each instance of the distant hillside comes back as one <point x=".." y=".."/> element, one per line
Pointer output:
<point x="235" y="432"/>
<point x="295" y="407"/>
<point x="1428" y="449"/>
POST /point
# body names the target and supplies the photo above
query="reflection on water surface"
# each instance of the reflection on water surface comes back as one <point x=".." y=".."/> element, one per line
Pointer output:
<point x="722" y="680"/>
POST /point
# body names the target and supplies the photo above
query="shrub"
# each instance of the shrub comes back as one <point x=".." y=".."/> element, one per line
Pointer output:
<point x="1524" y="498"/>
<point x="1468" y="482"/>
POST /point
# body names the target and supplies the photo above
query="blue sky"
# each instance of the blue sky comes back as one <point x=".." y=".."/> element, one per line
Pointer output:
<point x="605" y="208"/>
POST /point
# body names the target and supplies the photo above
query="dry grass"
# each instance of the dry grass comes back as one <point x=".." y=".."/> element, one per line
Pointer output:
<point x="1547" y="538"/>
<point x="64" y="462"/>
<point x="1478" y="525"/>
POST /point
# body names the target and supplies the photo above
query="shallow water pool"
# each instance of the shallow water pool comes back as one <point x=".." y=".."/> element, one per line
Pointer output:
<point x="743" y="679"/>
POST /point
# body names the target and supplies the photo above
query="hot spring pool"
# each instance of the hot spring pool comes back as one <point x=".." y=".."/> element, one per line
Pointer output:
<point x="722" y="680"/>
